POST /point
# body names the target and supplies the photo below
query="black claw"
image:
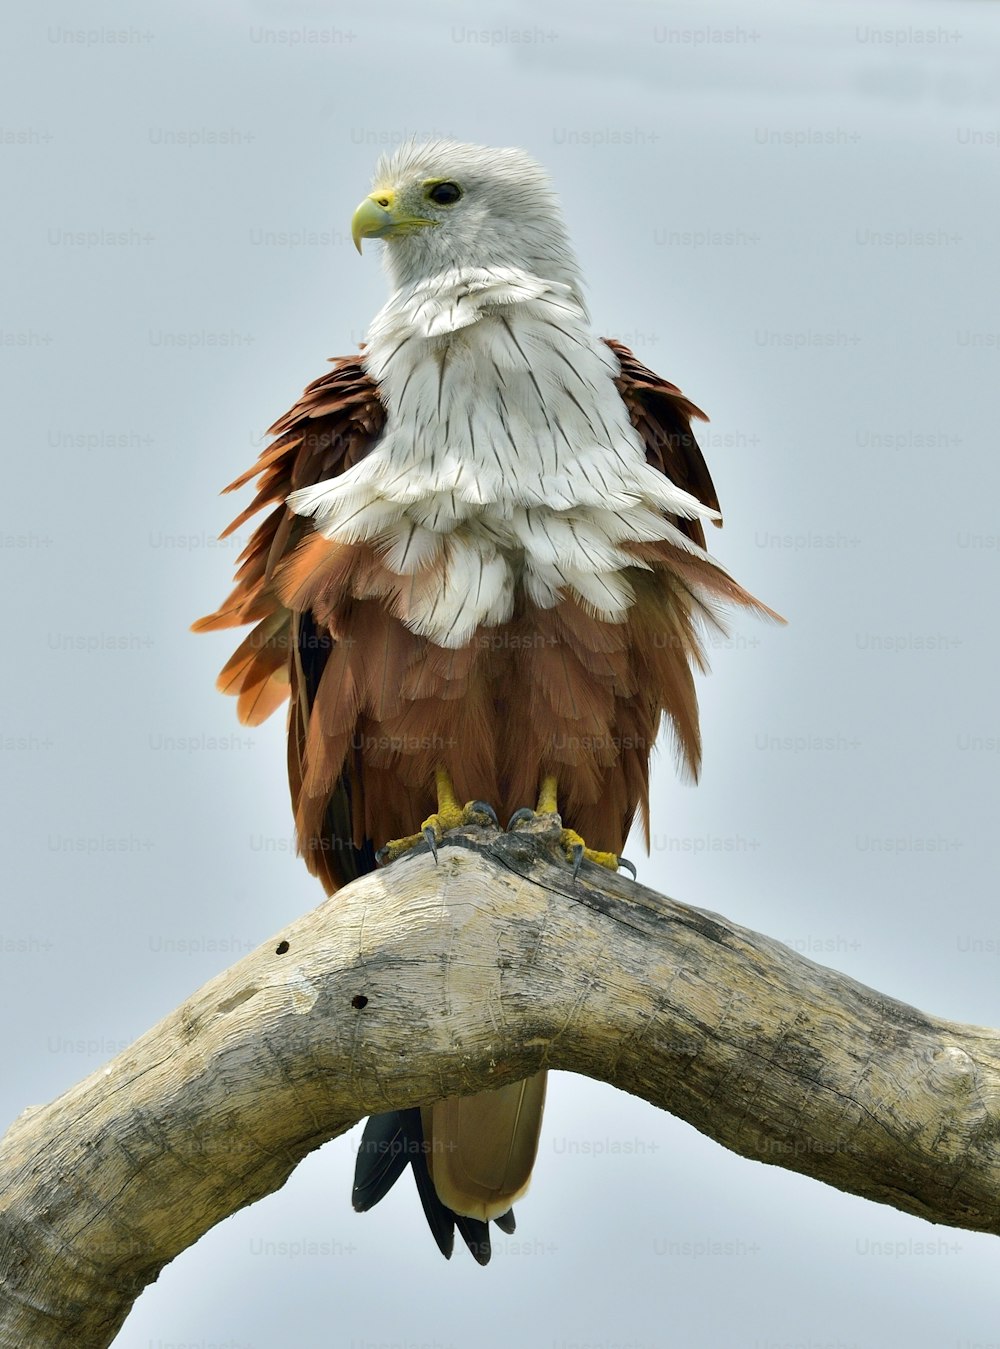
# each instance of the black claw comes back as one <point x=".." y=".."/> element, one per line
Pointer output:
<point x="525" y="813"/>
<point x="382" y="856"/>
<point x="431" y="838"/>
<point x="484" y="808"/>
<point x="624" y="863"/>
<point x="578" y="851"/>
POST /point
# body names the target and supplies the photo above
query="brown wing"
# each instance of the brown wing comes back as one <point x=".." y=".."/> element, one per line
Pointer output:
<point x="662" y="416"/>
<point x="333" y="425"/>
<point x="681" y="594"/>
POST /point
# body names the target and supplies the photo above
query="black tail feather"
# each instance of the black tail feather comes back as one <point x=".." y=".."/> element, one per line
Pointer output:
<point x="389" y="1144"/>
<point x="382" y="1158"/>
<point x="440" y="1219"/>
<point x="476" y="1235"/>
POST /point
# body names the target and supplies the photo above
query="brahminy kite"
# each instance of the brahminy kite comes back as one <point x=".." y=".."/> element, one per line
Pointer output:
<point x="483" y="579"/>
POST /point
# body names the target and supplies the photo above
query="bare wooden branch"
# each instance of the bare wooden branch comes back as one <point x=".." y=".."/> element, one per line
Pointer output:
<point x="424" y="980"/>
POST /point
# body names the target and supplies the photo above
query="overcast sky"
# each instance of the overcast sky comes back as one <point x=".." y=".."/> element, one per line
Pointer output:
<point x="795" y="218"/>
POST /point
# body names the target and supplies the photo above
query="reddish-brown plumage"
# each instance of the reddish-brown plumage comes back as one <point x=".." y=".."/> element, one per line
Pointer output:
<point x="375" y="709"/>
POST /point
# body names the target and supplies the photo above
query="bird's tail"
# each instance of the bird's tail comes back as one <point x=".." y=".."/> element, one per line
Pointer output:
<point x="471" y="1157"/>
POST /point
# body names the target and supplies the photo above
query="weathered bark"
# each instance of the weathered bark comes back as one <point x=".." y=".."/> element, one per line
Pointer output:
<point x="424" y="980"/>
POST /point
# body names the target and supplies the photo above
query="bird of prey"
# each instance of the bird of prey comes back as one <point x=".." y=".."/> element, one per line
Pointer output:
<point x="482" y="579"/>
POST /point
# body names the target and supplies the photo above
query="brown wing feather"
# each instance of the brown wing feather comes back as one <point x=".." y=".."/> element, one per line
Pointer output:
<point x="332" y="426"/>
<point x="676" y="598"/>
<point x="662" y="416"/>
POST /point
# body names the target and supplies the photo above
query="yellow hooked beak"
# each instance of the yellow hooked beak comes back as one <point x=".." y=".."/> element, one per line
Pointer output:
<point x="378" y="218"/>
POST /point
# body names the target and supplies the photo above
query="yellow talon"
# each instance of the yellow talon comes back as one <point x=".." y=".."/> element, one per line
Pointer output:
<point x="449" y="815"/>
<point x="570" y="841"/>
<point x="397" y="847"/>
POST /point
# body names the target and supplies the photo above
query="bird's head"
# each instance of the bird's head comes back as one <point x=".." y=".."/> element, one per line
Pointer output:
<point x="441" y="204"/>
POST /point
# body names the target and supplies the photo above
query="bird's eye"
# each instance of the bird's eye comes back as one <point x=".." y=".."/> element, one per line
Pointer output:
<point x="444" y="194"/>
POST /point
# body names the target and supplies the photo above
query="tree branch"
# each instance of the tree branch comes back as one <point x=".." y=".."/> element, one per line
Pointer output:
<point x="425" y="980"/>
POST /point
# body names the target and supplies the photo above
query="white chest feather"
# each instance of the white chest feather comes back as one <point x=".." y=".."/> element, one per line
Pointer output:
<point x="507" y="458"/>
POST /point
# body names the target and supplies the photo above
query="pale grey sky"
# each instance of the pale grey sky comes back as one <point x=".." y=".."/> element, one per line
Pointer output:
<point x="791" y="209"/>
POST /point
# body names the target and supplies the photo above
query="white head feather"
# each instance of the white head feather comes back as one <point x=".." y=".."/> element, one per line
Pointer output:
<point x="507" y="217"/>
